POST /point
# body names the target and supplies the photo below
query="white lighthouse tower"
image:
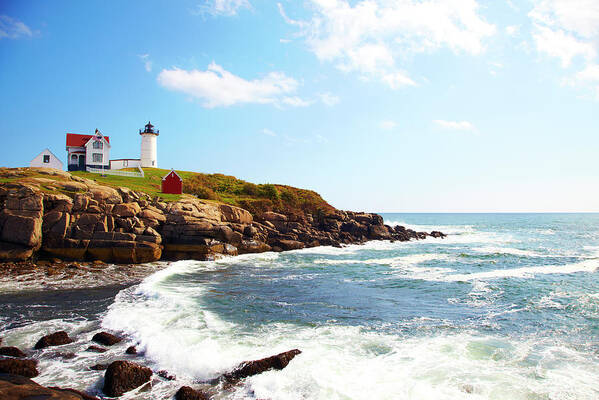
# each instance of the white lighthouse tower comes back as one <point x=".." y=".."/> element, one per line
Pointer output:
<point x="148" y="146"/>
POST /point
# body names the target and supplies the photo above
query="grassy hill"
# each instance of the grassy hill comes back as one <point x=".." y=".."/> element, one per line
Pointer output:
<point x="222" y="188"/>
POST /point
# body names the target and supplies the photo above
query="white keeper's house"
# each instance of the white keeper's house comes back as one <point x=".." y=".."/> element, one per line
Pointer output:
<point x="87" y="152"/>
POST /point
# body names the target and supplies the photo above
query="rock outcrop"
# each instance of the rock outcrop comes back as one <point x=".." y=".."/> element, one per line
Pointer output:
<point x="11" y="352"/>
<point x="55" y="339"/>
<point x="26" y="368"/>
<point x="250" y="368"/>
<point x="187" y="393"/>
<point x="123" y="376"/>
<point x="68" y="217"/>
<point x="19" y="387"/>
<point x="105" y="338"/>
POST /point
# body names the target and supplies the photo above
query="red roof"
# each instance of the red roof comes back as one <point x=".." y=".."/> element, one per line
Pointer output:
<point x="77" y="140"/>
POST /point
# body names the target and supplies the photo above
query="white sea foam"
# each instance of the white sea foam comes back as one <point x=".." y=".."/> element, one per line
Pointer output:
<point x="507" y="250"/>
<point x="527" y="272"/>
<point x="343" y="362"/>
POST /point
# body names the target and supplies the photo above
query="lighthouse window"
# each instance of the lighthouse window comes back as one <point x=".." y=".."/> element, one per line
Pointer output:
<point x="153" y="163"/>
<point x="96" y="157"/>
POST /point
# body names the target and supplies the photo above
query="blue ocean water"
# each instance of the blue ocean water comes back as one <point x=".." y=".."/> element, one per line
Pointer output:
<point x="505" y="307"/>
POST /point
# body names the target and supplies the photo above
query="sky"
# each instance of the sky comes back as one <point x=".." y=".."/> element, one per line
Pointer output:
<point x="378" y="105"/>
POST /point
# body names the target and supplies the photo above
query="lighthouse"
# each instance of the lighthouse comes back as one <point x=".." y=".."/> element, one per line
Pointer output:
<point x="148" y="146"/>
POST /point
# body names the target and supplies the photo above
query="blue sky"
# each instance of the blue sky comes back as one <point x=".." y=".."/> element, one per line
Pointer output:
<point x="379" y="105"/>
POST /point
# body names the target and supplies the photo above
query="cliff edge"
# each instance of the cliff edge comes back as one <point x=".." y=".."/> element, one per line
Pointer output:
<point x="55" y="214"/>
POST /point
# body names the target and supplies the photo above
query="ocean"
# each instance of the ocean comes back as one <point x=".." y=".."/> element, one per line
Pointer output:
<point x="505" y="307"/>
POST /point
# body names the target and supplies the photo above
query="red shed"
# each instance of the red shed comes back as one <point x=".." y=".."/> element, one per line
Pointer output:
<point x="172" y="183"/>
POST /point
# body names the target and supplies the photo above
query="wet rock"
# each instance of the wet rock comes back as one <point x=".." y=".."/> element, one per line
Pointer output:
<point x="437" y="234"/>
<point x="11" y="352"/>
<point x="14" y="387"/>
<point x="70" y="391"/>
<point x="250" y="368"/>
<point x="96" y="349"/>
<point x="187" y="393"/>
<point x="123" y="376"/>
<point x="131" y="350"/>
<point x="54" y="339"/>
<point x="105" y="338"/>
<point x="99" y="367"/>
<point x="166" y="375"/>
<point x="26" y="368"/>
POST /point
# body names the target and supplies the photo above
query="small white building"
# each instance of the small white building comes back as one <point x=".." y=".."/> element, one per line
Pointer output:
<point x="46" y="159"/>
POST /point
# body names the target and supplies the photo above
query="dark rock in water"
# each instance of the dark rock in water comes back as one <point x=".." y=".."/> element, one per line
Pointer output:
<point x="250" y="368"/>
<point x="437" y="234"/>
<point x="165" y="375"/>
<point x="64" y="356"/>
<point x="54" y="339"/>
<point x="26" y="368"/>
<point x="106" y="338"/>
<point x="14" y="387"/>
<point x="187" y="393"/>
<point x="99" y="367"/>
<point x="123" y="376"/>
<point x="70" y="391"/>
<point x="96" y="349"/>
<point x="131" y="350"/>
<point x="12" y="352"/>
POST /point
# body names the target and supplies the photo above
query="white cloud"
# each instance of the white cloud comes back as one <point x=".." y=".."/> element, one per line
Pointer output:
<point x="295" y="101"/>
<point x="512" y="30"/>
<point x="223" y="7"/>
<point x="268" y="132"/>
<point x="145" y="58"/>
<point x="217" y="87"/>
<point x="11" y="28"/>
<point x="587" y="78"/>
<point x="455" y="125"/>
<point x="566" y="28"/>
<point x="565" y="46"/>
<point x="388" y="125"/>
<point x="373" y="37"/>
<point x="328" y="99"/>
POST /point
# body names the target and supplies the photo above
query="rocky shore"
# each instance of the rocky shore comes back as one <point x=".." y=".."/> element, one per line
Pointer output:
<point x="120" y="376"/>
<point x="62" y="224"/>
<point x="63" y="216"/>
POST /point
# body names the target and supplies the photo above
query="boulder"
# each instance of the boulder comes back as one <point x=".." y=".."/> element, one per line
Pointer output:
<point x="96" y="349"/>
<point x="131" y="350"/>
<point x="26" y="368"/>
<point x="126" y="210"/>
<point x="235" y="214"/>
<point x="105" y="194"/>
<point x="21" y="229"/>
<point x="14" y="387"/>
<point x="11" y="352"/>
<point x="99" y="367"/>
<point x="250" y="368"/>
<point x="271" y="216"/>
<point x="54" y="339"/>
<point x="187" y="393"/>
<point x="105" y="338"/>
<point x="123" y="376"/>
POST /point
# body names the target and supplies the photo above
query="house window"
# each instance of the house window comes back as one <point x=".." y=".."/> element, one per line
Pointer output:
<point x="74" y="159"/>
<point x="98" y="145"/>
<point x="153" y="163"/>
<point x="97" y="157"/>
<point x="46" y="159"/>
<point x="125" y="163"/>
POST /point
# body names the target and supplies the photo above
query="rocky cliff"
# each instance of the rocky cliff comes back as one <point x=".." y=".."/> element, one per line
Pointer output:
<point x="54" y="214"/>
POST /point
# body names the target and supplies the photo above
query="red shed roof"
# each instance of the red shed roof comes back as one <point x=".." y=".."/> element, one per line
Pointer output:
<point x="77" y="140"/>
